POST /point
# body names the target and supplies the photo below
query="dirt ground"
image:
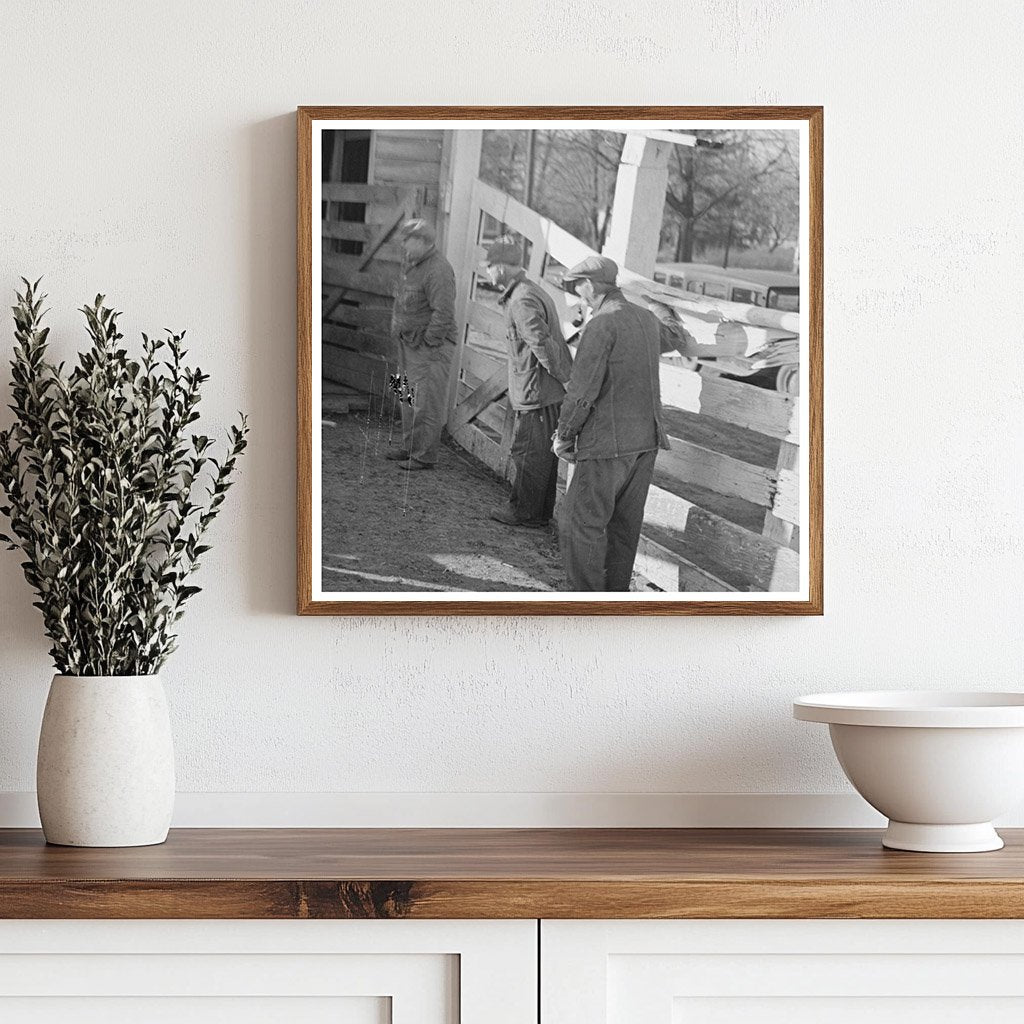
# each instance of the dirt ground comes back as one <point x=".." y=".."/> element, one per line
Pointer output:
<point x="388" y="530"/>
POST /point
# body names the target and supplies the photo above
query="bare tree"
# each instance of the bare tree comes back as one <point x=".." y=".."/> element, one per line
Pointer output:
<point x="742" y="194"/>
<point x="575" y="182"/>
<point x="573" y="175"/>
<point x="719" y="195"/>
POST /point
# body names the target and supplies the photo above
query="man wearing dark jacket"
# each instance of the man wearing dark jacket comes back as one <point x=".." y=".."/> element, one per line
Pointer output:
<point x="610" y="428"/>
<point x="539" y="364"/>
<point x="423" y="325"/>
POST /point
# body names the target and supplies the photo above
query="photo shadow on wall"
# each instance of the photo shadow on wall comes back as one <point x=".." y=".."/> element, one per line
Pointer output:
<point x="268" y="324"/>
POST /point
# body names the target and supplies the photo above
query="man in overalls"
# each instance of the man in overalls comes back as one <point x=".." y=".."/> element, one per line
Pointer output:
<point x="423" y="324"/>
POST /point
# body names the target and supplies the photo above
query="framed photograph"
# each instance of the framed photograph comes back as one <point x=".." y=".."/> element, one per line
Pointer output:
<point x="560" y="360"/>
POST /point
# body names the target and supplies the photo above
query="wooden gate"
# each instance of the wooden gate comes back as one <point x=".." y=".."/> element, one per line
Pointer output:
<point x="481" y="419"/>
<point x="358" y="290"/>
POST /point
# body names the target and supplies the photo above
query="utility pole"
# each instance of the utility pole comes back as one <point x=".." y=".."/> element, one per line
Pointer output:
<point x="531" y="145"/>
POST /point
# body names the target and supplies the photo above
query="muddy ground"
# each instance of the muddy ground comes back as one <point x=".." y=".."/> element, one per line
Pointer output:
<point x="388" y="530"/>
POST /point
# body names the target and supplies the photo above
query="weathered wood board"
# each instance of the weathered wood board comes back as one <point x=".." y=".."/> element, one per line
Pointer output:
<point x="747" y="560"/>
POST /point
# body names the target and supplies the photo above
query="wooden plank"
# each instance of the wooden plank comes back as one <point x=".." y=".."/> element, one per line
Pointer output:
<point x="387" y="259"/>
<point x="348" y="229"/>
<point x="493" y="417"/>
<point x="342" y="405"/>
<point x="378" y="214"/>
<point x="363" y="342"/>
<point x="407" y="146"/>
<point x="719" y="436"/>
<point x="673" y="573"/>
<point x="782" y="520"/>
<point x="565" y="248"/>
<point x="786" y="505"/>
<point x="490" y="391"/>
<point x="489" y="873"/>
<point x="760" y="316"/>
<point x="329" y="388"/>
<point x="365" y="373"/>
<point x="486" y="320"/>
<point x="694" y="464"/>
<point x="355" y="299"/>
<point x="478" y="444"/>
<point x="408" y="173"/>
<point x="765" y="412"/>
<point x="460" y="224"/>
<point x="378" y="248"/>
<point x="482" y="365"/>
<point x="748" y="561"/>
<point x="418" y="133"/>
<point x="508" y="427"/>
<point x="380" y="236"/>
<point x="383" y="195"/>
<point x="747" y="341"/>
<point x="373" y="318"/>
<point x="343" y="272"/>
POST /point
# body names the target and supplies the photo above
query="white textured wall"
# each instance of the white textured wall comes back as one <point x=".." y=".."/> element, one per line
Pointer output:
<point x="147" y="150"/>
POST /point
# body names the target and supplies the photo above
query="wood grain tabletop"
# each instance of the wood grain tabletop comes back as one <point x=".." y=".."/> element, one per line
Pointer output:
<point x="508" y="873"/>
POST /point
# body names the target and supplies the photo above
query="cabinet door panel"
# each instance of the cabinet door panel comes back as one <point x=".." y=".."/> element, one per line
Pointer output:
<point x="847" y="1010"/>
<point x="798" y="972"/>
<point x="188" y="1010"/>
<point x="301" y="972"/>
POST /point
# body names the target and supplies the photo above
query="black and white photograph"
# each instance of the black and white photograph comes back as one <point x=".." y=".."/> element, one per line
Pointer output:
<point x="559" y="361"/>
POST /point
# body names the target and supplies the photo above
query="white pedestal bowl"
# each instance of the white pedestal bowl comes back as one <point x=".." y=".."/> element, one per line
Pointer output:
<point x="940" y="766"/>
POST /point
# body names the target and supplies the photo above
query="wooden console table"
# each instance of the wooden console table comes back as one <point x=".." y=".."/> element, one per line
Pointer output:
<point x="508" y="873"/>
<point x="495" y="926"/>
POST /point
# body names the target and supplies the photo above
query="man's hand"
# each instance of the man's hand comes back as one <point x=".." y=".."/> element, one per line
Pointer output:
<point x="565" y="450"/>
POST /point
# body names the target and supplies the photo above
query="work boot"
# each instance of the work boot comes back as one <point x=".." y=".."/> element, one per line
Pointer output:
<point x="503" y="514"/>
<point x="397" y="456"/>
<point x="413" y="465"/>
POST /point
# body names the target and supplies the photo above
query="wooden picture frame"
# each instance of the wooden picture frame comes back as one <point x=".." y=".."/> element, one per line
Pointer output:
<point x="796" y="478"/>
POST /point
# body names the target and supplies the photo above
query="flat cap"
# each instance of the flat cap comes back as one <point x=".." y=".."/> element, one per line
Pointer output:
<point x="504" y="251"/>
<point x="596" y="268"/>
<point x="418" y="228"/>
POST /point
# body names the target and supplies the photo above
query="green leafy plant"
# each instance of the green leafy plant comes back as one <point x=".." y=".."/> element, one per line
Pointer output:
<point x="109" y="495"/>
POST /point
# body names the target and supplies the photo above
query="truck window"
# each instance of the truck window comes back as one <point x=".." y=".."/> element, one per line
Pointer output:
<point x="786" y="299"/>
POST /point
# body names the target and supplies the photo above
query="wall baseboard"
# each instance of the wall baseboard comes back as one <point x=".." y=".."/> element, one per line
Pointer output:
<point x="504" y="810"/>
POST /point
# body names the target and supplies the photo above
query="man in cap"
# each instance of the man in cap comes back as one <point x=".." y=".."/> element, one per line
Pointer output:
<point x="610" y="428"/>
<point x="539" y="364"/>
<point x="423" y="324"/>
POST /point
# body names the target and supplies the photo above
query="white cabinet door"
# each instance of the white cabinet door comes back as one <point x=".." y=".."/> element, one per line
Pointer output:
<point x="258" y="972"/>
<point x="782" y="972"/>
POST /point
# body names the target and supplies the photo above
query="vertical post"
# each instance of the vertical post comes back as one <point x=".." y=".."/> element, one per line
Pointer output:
<point x="639" y="205"/>
<point x="460" y="230"/>
<point x="775" y="528"/>
<point x="531" y="145"/>
<point x="531" y="142"/>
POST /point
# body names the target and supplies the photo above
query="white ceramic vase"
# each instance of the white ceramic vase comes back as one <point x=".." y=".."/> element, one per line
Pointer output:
<point x="105" y="771"/>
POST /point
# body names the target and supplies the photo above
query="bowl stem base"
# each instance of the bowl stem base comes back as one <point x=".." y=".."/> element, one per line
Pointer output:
<point x="978" y="838"/>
